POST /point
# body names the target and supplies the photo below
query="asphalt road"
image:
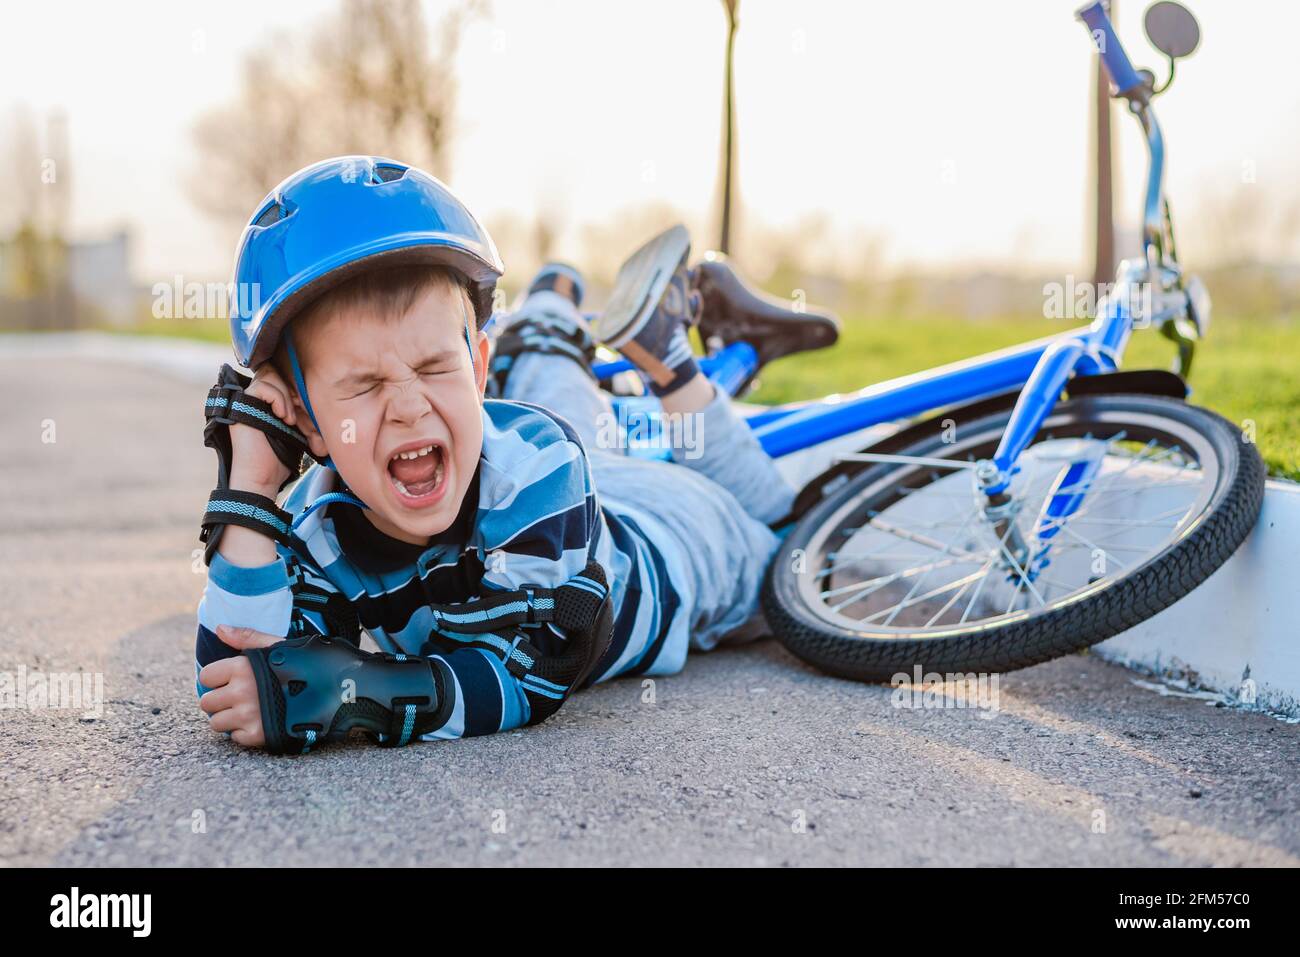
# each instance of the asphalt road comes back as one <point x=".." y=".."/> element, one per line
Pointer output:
<point x="747" y="757"/>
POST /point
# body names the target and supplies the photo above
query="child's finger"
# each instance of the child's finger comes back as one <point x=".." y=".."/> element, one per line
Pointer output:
<point x="281" y="404"/>
<point x="218" y="699"/>
<point x="227" y="720"/>
<point x="242" y="638"/>
<point x="248" y="737"/>
<point x="269" y="374"/>
<point x="274" y="396"/>
<point x="217" y="673"/>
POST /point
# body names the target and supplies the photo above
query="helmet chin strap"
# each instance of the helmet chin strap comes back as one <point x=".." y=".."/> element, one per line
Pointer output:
<point x="302" y="386"/>
<point x="344" y="496"/>
<point x="295" y="367"/>
<point x="464" y="314"/>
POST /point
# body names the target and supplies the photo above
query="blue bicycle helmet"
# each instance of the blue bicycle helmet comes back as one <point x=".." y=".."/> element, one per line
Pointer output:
<point x="333" y="219"/>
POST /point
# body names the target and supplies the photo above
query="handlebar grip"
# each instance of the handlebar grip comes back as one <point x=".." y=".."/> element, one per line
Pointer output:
<point x="1112" y="52"/>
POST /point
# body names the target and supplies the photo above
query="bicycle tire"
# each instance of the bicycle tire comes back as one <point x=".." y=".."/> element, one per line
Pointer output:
<point x="1124" y="601"/>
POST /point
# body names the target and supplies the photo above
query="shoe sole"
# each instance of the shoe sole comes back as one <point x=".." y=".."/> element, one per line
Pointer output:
<point x="640" y="284"/>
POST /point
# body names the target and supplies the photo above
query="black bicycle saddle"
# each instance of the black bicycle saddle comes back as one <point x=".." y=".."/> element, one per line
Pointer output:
<point x="733" y="311"/>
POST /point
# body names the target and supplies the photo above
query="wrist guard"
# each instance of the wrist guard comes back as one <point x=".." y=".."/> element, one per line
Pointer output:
<point x="227" y="404"/>
<point x="318" y="689"/>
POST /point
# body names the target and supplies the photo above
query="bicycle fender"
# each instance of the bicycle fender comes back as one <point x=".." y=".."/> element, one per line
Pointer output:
<point x="1140" y="381"/>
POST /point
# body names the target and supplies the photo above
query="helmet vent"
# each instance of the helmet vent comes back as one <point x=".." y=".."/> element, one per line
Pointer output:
<point x="386" y="174"/>
<point x="272" y="214"/>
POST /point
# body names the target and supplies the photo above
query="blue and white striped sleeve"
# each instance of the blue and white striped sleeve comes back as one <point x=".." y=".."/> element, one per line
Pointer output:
<point x="542" y="532"/>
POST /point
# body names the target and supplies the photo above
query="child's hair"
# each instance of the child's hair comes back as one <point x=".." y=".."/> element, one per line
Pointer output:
<point x="388" y="292"/>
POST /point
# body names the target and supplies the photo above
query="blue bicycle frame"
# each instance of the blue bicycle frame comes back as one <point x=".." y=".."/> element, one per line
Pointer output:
<point x="1040" y="369"/>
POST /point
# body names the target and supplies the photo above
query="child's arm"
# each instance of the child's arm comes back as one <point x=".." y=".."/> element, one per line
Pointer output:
<point x="247" y="606"/>
<point x="257" y="593"/>
<point x="515" y="670"/>
<point x="506" y="659"/>
<point x="539" y="534"/>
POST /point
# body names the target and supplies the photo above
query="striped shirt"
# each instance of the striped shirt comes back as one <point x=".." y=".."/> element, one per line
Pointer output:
<point x="530" y="516"/>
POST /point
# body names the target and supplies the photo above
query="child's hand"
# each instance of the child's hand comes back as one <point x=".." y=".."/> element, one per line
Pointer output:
<point x="232" y="703"/>
<point x="256" y="468"/>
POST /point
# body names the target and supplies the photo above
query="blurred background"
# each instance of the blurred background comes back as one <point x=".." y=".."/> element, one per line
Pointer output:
<point x="927" y="170"/>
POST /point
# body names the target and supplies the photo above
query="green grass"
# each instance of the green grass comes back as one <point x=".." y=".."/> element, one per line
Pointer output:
<point x="1247" y="371"/>
<point x="205" y="330"/>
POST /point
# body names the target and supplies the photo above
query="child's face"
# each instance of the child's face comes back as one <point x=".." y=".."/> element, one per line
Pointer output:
<point x="384" y="390"/>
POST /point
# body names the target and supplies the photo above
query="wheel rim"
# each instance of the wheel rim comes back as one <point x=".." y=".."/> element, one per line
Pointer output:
<point x="911" y="554"/>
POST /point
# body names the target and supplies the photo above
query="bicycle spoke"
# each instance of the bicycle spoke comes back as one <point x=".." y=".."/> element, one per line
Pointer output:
<point x="891" y="528"/>
<point x="857" y="559"/>
<point x="920" y="598"/>
<point x="1069" y="531"/>
<point x="1127" y="523"/>
<point x="886" y="584"/>
<point x="917" y="584"/>
<point x="983" y="573"/>
<point x="875" y="584"/>
<point x="1080" y="515"/>
<point x="1088" y="483"/>
<point x="1059" y="584"/>
<point x="1124" y="493"/>
<point x="1024" y="575"/>
<point x="975" y="597"/>
<point x="1016" y="592"/>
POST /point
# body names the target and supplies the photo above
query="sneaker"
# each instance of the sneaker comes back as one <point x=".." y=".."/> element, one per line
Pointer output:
<point x="652" y="307"/>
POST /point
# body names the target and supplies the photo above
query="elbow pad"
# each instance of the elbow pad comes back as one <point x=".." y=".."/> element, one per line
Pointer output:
<point x="317" y="689"/>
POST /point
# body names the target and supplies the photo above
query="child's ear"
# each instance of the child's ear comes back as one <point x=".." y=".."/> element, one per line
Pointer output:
<point x="304" y="424"/>
<point x="481" y="349"/>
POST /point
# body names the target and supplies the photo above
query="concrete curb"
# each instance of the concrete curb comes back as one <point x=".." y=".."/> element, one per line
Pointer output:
<point x="1236" y="634"/>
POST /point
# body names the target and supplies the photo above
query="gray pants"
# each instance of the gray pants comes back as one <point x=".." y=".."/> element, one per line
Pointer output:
<point x="712" y="503"/>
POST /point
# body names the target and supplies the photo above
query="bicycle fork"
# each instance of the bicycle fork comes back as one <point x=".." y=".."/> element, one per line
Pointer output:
<point x="1087" y="354"/>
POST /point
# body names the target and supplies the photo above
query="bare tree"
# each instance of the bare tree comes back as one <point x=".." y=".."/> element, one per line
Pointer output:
<point x="22" y="155"/>
<point x="606" y="244"/>
<point x="369" y="80"/>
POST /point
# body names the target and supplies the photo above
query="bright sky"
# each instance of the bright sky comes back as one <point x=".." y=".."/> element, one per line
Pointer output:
<point x="957" y="131"/>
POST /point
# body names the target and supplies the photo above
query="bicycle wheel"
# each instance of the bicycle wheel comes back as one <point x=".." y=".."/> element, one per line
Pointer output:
<point x="900" y="566"/>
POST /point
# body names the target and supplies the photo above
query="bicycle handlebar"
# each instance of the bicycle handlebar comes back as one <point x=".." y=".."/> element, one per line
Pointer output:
<point x="1122" y="75"/>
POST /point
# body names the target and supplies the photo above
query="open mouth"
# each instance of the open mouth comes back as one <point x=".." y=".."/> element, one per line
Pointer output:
<point x="416" y="473"/>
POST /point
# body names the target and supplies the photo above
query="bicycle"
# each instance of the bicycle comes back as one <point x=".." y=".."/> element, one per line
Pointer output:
<point x="1054" y="502"/>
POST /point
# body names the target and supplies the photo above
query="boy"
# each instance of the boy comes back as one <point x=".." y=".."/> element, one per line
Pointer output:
<point x="497" y="554"/>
